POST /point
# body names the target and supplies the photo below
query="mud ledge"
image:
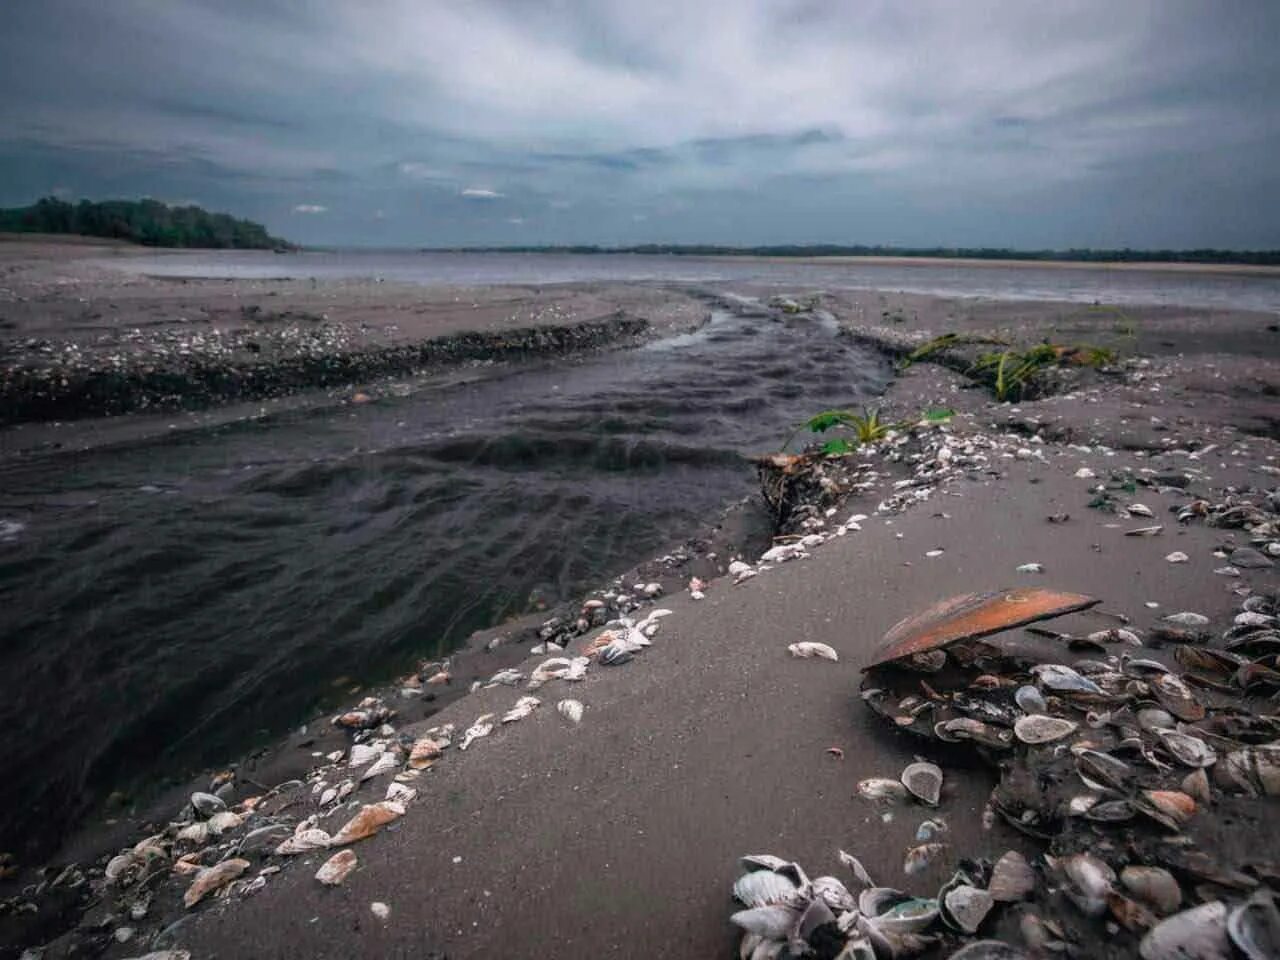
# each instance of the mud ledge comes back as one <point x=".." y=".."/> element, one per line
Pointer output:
<point x="29" y="394"/>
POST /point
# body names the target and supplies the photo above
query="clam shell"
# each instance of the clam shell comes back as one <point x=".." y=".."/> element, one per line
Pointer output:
<point x="1039" y="728"/>
<point x="334" y="870"/>
<point x="213" y="878"/>
<point x="924" y="780"/>
<point x="1030" y="699"/>
<point x="1196" y="934"/>
<point x="1091" y="880"/>
<point x="833" y="893"/>
<point x="1254" y="927"/>
<point x="1154" y="886"/>
<point x="1130" y="914"/>
<point x="773" y="922"/>
<point x="371" y="818"/>
<point x="304" y="841"/>
<point x="882" y="790"/>
<point x="1255" y="770"/>
<point x="1012" y="878"/>
<point x="762" y="887"/>
<point x="1189" y="751"/>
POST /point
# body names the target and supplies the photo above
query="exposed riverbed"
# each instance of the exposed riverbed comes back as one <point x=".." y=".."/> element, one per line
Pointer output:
<point x="169" y="602"/>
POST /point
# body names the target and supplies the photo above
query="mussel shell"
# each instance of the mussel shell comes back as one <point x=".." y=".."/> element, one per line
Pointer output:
<point x="1063" y="679"/>
<point x="1152" y="719"/>
<point x="1176" y="697"/>
<point x="1189" y="751"/>
<point x="1254" y="927"/>
<point x="1030" y="699"/>
<point x="1170" y="808"/>
<point x="967" y="728"/>
<point x="1101" y="770"/>
<point x="1198" y="934"/>
<point x="773" y="922"/>
<point x="911" y="915"/>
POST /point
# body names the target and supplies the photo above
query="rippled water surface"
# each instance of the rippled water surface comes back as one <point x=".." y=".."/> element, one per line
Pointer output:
<point x="164" y="603"/>
<point x="1076" y="283"/>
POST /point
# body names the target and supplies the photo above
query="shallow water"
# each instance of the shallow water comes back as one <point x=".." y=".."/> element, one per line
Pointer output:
<point x="168" y="603"/>
<point x="1077" y="284"/>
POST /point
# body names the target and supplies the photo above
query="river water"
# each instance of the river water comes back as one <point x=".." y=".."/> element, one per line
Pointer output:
<point x="1077" y="283"/>
<point x="170" y="603"/>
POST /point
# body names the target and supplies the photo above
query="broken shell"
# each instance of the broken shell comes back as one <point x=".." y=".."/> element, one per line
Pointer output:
<point x="482" y="727"/>
<point x="896" y="912"/>
<point x="386" y="763"/>
<point x="1140" y="510"/>
<point x="882" y="790"/>
<point x="1196" y="786"/>
<point x="211" y="879"/>
<point x="1255" y="770"/>
<point x="924" y="780"/>
<point x="971" y="616"/>
<point x="1130" y="914"/>
<point x="334" y="870"/>
<point x="522" y="708"/>
<point x="571" y="710"/>
<point x="773" y="922"/>
<point x="424" y="753"/>
<point x="206" y="804"/>
<point x="762" y="887"/>
<point x="219" y="823"/>
<point x="922" y="856"/>
<point x="961" y="905"/>
<point x="1030" y="699"/>
<point x="1177" y="557"/>
<point x="833" y="893"/>
<point x="304" y="841"/>
<point x="810" y="648"/>
<point x="1154" y="886"/>
<point x="1038" y="728"/>
<point x="930" y="830"/>
<point x="1190" y="751"/>
<point x="371" y="818"/>
<point x="1197" y="934"/>
<point x="1254" y="927"/>
<point x="988" y="950"/>
<point x="1012" y="878"/>
<point x="1110" y="811"/>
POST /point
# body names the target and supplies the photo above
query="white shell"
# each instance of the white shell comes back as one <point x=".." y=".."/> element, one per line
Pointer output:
<point x="1177" y="557"/>
<point x="304" y="841"/>
<point x="1189" y="750"/>
<point x="924" y="780"/>
<point x="523" y="707"/>
<point x="384" y="764"/>
<point x="882" y="789"/>
<point x="762" y="887"/>
<point x="334" y="870"/>
<point x="773" y="922"/>
<point x="1039" y="728"/>
<point x="1200" y="932"/>
<point x="1188" y="619"/>
<point x="571" y="710"/>
<point x="811" y="648"/>
<point x="481" y="728"/>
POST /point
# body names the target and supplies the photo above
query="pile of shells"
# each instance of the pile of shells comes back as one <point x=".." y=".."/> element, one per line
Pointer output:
<point x="1148" y="783"/>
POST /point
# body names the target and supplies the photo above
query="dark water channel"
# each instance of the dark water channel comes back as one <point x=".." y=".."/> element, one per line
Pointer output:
<point x="167" y="604"/>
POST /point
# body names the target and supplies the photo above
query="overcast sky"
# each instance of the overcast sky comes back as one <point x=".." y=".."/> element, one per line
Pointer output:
<point x="438" y="122"/>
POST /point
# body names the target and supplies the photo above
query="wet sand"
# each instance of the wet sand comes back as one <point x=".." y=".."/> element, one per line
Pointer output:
<point x="619" y="836"/>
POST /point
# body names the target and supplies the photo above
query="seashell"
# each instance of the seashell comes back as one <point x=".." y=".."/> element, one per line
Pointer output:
<point x="1187" y="619"/>
<point x="1012" y="878"/>
<point x="424" y="753"/>
<point x="387" y="762"/>
<point x="1030" y="699"/>
<point x="1153" y="719"/>
<point x="371" y="818"/>
<point x="833" y="893"/>
<point x="1251" y="619"/>
<point x="362" y="753"/>
<point x="481" y="728"/>
<point x="762" y="887"/>
<point x="1171" y="808"/>
<point x="1249" y="558"/>
<point x="930" y="830"/>
<point x="972" y="616"/>
<point x="1177" y="557"/>
<point x="522" y="708"/>
<point x="810" y="648"/>
<point x="1130" y="914"/>
<point x="220" y="823"/>
<point x="1101" y="771"/>
<point x="121" y="866"/>
<point x="924" y="781"/>
<point x="1091" y="880"/>
<point x="334" y="870"/>
<point x="571" y="710"/>
<point x="1254" y="927"/>
<point x="1189" y="751"/>
<point x="904" y="915"/>
<point x="1029" y="568"/>
<point x="1154" y="886"/>
<point x="400" y="793"/>
<point x="1140" y="510"/>
<point x="1196" y="786"/>
<point x="304" y="841"/>
<point x="1176" y="697"/>
<point x="815" y="915"/>
<point x="615" y="654"/>
<point x="1082" y="803"/>
<point x="1110" y="811"/>
<point x="211" y="879"/>
<point x="773" y="922"/>
<point x="988" y="950"/>
<point x="1255" y="770"/>
<point x="1055" y="676"/>
<point x="1038" y="728"/>
<point x="856" y="868"/>
<point x="197" y="833"/>
<point x="922" y="856"/>
<point x="966" y="728"/>
<point x="1196" y="934"/>
<point x="882" y="790"/>
<point x="380" y="910"/>
<point x="206" y="804"/>
<point x="964" y="907"/>
<point x="762" y="861"/>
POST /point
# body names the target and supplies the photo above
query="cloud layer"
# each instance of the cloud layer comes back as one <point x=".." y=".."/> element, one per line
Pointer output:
<point x="1148" y="123"/>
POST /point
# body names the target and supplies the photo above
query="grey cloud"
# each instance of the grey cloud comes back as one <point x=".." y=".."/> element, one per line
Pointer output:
<point x="743" y="121"/>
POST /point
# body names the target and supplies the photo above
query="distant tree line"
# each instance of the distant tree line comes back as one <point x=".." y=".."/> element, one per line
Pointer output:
<point x="148" y="222"/>
<point x="1204" y="255"/>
